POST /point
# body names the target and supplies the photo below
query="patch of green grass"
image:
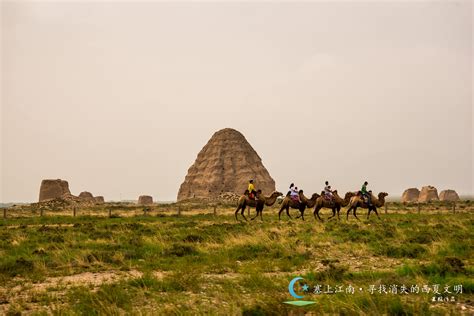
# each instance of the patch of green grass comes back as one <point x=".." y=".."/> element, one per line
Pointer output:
<point x="406" y="250"/>
<point x="108" y="299"/>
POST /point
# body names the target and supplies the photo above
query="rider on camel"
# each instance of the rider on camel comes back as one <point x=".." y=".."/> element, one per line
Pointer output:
<point x="251" y="189"/>
<point x="294" y="194"/>
<point x="328" y="191"/>
<point x="366" y="194"/>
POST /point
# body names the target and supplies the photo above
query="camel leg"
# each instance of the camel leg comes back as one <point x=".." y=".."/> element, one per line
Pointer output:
<point x="279" y="213"/>
<point x="376" y="213"/>
<point x="315" y="211"/>
<point x="299" y="215"/>
<point x="237" y="212"/>
<point x="338" y="209"/>
<point x="317" y="214"/>
<point x="333" y="213"/>
<point x="242" y="213"/>
<point x="281" y="210"/>
<point x="256" y="215"/>
<point x="302" y="214"/>
<point x="368" y="214"/>
<point x="355" y="215"/>
<point x="288" y="212"/>
<point x="348" y="211"/>
<point x="252" y="218"/>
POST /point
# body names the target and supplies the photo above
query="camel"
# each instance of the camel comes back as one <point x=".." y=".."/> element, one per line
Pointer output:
<point x="288" y="203"/>
<point x="334" y="205"/>
<point x="259" y="203"/>
<point x="357" y="201"/>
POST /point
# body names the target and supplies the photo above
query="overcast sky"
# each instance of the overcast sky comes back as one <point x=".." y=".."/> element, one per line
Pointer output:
<point x="119" y="98"/>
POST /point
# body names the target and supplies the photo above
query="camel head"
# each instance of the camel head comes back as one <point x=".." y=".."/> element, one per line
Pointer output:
<point x="349" y="195"/>
<point x="382" y="195"/>
<point x="277" y="193"/>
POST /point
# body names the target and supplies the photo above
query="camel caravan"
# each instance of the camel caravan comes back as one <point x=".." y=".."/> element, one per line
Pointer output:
<point x="295" y="199"/>
<point x="234" y="161"/>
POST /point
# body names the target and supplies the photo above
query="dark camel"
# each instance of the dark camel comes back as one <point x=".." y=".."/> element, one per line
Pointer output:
<point x="288" y="203"/>
<point x="357" y="201"/>
<point x="259" y="203"/>
<point x="335" y="205"/>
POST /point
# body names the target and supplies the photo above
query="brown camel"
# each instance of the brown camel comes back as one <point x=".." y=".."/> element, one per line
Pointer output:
<point x="357" y="201"/>
<point x="335" y="205"/>
<point x="259" y="203"/>
<point x="288" y="203"/>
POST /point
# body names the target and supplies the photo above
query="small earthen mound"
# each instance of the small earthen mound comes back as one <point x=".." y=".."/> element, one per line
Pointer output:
<point x="99" y="199"/>
<point x="145" y="200"/>
<point x="53" y="189"/>
<point x="428" y="193"/>
<point x="86" y="195"/>
<point x="448" y="195"/>
<point x="410" y="195"/>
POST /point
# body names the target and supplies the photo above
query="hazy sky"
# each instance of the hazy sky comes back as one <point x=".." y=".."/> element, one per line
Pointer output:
<point x="118" y="98"/>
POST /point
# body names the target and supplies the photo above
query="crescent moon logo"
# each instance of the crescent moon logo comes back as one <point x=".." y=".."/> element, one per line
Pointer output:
<point x="291" y="288"/>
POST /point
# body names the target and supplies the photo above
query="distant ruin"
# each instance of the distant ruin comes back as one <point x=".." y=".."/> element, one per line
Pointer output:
<point x="58" y="189"/>
<point x="428" y="193"/>
<point x="410" y="195"/>
<point x="448" y="195"/>
<point x="145" y="200"/>
<point x="53" y="189"/>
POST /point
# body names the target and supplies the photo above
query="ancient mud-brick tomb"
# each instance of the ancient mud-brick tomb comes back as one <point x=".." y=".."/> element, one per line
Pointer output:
<point x="53" y="189"/>
<point x="145" y="200"/>
<point x="225" y="164"/>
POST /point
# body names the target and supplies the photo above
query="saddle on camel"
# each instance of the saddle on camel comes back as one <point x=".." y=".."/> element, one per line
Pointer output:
<point x="365" y="194"/>
<point x="366" y="197"/>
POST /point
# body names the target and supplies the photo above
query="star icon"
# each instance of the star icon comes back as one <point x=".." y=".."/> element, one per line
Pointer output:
<point x="305" y="288"/>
